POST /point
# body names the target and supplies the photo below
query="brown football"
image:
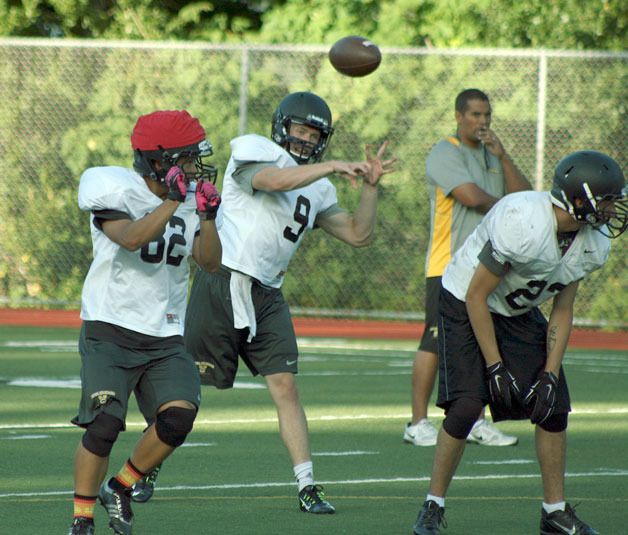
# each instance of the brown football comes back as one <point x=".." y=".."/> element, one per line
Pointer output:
<point x="355" y="56"/>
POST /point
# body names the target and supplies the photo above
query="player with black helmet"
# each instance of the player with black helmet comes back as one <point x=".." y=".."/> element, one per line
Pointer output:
<point x="495" y="346"/>
<point x="144" y="223"/>
<point x="273" y="192"/>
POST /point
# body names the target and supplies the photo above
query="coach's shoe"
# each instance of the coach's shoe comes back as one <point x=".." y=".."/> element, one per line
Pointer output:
<point x="312" y="500"/>
<point x="422" y="434"/>
<point x="430" y="518"/>
<point x="564" y="522"/>
<point x="143" y="490"/>
<point x="82" y="526"/>
<point x="486" y="434"/>
<point x="118" y="506"/>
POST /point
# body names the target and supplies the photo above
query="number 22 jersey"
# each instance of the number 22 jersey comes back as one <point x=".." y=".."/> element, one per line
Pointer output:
<point x="518" y="239"/>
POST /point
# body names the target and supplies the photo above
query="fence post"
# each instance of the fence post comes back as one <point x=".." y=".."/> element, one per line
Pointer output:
<point x="540" y="121"/>
<point x="244" y="91"/>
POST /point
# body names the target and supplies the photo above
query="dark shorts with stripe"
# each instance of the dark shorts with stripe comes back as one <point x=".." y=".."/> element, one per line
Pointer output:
<point x="429" y="340"/>
<point x="461" y="366"/>
<point x="216" y="344"/>
<point x="110" y="372"/>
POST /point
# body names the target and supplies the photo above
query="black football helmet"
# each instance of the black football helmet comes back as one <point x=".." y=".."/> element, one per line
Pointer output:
<point x="166" y="137"/>
<point x="591" y="186"/>
<point x="308" y="109"/>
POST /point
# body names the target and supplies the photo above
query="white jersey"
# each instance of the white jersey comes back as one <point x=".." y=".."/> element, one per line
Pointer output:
<point x="521" y="229"/>
<point x="144" y="290"/>
<point x="260" y="231"/>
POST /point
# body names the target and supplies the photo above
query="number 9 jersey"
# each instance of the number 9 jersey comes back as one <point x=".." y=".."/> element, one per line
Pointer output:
<point x="143" y="290"/>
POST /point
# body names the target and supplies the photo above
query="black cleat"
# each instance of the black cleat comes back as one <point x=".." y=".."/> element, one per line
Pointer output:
<point x="118" y="506"/>
<point x="312" y="500"/>
<point x="430" y="518"/>
<point x="143" y="490"/>
<point x="564" y="522"/>
<point x="82" y="526"/>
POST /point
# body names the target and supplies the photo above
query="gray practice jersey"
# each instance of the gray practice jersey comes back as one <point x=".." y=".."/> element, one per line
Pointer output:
<point x="260" y="231"/>
<point x="517" y="239"/>
<point x="143" y="290"/>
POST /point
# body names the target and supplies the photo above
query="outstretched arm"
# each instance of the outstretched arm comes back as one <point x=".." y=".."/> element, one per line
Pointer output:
<point x="358" y="229"/>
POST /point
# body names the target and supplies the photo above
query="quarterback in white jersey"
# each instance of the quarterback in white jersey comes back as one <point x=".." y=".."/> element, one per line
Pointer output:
<point x="495" y="346"/>
<point x="145" y="224"/>
<point x="273" y="193"/>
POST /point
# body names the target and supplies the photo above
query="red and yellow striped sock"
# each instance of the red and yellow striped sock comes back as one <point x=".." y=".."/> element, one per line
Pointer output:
<point x="129" y="475"/>
<point x="84" y="506"/>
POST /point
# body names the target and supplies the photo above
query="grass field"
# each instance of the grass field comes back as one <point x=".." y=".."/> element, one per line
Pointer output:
<point x="234" y="476"/>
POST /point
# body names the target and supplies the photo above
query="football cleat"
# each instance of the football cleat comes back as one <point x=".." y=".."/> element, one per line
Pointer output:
<point x="421" y="434"/>
<point x="430" y="518"/>
<point x="143" y="490"/>
<point x="564" y="522"/>
<point x="118" y="506"/>
<point x="312" y="500"/>
<point x="82" y="526"/>
<point x="486" y="434"/>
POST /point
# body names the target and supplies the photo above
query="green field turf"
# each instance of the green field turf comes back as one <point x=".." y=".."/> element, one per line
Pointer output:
<point x="234" y="476"/>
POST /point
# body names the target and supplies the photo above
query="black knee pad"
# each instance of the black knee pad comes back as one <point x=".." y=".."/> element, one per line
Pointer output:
<point x="174" y="424"/>
<point x="556" y="423"/>
<point x="461" y="416"/>
<point x="101" y="434"/>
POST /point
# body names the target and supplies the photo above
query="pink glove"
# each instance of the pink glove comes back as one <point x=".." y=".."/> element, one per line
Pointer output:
<point x="177" y="185"/>
<point x="207" y="200"/>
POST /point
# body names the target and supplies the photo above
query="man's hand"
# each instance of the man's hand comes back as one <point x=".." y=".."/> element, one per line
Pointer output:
<point x="177" y="185"/>
<point x="207" y="200"/>
<point x="377" y="166"/>
<point x="541" y="398"/>
<point x="502" y="386"/>
<point x="491" y="142"/>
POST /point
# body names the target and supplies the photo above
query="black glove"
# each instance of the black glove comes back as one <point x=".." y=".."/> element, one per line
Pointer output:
<point x="541" y="398"/>
<point x="502" y="387"/>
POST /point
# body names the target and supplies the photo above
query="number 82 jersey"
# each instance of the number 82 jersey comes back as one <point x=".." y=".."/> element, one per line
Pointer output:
<point x="143" y="290"/>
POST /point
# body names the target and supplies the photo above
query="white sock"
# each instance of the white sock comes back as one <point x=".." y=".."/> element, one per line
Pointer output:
<point x="551" y="507"/>
<point x="440" y="501"/>
<point x="304" y="474"/>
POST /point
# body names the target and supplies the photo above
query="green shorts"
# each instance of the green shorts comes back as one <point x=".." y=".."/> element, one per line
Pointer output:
<point x="110" y="373"/>
<point x="215" y="343"/>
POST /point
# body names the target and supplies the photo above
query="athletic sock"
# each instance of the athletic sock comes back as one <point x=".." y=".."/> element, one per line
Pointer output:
<point x="438" y="499"/>
<point x="84" y="506"/>
<point x="304" y="474"/>
<point x="552" y="507"/>
<point x="128" y="475"/>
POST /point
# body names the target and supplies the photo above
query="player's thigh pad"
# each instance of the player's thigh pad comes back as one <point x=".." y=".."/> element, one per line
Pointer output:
<point x="461" y="415"/>
<point x="174" y="424"/>
<point x="101" y="434"/>
<point x="429" y="340"/>
<point x="209" y="333"/>
<point x="171" y="377"/>
<point x="274" y="347"/>
<point x="556" y="423"/>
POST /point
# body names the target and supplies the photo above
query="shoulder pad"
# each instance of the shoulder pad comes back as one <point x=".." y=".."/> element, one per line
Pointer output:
<point x="106" y="188"/>
<point x="255" y="148"/>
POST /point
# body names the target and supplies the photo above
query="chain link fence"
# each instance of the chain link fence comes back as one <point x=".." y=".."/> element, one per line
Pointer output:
<point x="68" y="105"/>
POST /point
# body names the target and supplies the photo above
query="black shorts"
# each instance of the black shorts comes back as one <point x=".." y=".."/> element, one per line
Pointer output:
<point x="461" y="367"/>
<point x="215" y="343"/>
<point x="429" y="340"/>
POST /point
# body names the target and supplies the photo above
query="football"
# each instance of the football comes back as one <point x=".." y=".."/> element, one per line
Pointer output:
<point x="355" y="56"/>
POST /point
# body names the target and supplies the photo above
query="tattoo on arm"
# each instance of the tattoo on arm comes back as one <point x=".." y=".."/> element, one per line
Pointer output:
<point x="551" y="338"/>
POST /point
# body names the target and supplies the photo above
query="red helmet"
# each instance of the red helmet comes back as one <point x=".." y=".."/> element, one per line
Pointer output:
<point x="166" y="136"/>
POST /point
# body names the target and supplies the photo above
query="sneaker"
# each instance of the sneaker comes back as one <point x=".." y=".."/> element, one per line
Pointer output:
<point x="118" y="506"/>
<point x="422" y="434"/>
<point x="486" y="434"/>
<point x="82" y="526"/>
<point x="430" y="518"/>
<point x="312" y="500"/>
<point x="565" y="522"/>
<point x="143" y="490"/>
